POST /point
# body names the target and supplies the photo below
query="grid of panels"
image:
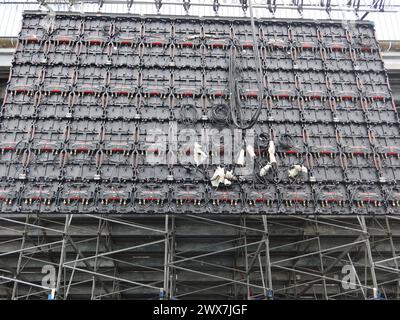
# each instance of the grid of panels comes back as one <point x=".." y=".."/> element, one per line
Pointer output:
<point x="87" y="92"/>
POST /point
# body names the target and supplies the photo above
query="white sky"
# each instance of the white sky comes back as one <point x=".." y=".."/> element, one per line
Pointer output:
<point x="387" y="24"/>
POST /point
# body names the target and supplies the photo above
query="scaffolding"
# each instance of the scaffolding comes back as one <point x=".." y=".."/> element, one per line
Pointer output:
<point x="198" y="257"/>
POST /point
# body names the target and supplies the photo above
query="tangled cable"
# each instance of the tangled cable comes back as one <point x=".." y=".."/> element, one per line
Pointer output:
<point x="188" y="114"/>
<point x="235" y="101"/>
<point x="220" y="115"/>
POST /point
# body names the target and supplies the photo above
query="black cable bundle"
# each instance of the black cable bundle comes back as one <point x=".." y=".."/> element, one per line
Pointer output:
<point x="188" y="114"/>
<point x="220" y="115"/>
<point x="235" y="103"/>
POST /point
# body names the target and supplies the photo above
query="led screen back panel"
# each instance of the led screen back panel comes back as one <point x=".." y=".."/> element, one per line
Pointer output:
<point x="146" y="114"/>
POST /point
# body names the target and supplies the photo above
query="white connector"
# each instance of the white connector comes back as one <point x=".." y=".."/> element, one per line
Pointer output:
<point x="250" y="151"/>
<point x="271" y="151"/>
<point x="229" y="175"/>
<point x="218" y="177"/>
<point x="227" y="182"/>
<point x="199" y="155"/>
<point x="297" y="170"/>
<point x="241" y="160"/>
<point x="265" y="170"/>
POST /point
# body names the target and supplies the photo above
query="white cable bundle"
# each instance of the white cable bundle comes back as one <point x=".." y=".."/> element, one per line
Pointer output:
<point x="250" y="151"/>
<point x="241" y="160"/>
<point x="271" y="151"/>
<point x="199" y="155"/>
<point x="297" y="170"/>
<point x="220" y="176"/>
<point x="265" y="170"/>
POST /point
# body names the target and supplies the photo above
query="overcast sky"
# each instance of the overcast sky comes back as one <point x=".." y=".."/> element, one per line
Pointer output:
<point x="387" y="24"/>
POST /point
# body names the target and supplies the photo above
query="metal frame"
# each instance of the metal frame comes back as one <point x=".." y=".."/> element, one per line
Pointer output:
<point x="186" y="257"/>
<point x="271" y="6"/>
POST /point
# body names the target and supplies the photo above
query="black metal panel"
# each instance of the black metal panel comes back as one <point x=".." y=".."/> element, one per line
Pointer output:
<point x="103" y="113"/>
